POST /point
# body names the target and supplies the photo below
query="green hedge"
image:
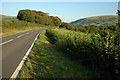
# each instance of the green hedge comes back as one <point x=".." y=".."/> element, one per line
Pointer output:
<point x="97" y="52"/>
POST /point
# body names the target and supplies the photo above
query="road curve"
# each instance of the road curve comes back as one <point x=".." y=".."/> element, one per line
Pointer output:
<point x="14" y="48"/>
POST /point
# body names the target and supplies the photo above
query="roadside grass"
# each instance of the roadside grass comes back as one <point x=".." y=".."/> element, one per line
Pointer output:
<point x="8" y="27"/>
<point x="9" y="31"/>
<point x="47" y="61"/>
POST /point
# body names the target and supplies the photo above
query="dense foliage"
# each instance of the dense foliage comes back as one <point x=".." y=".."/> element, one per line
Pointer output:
<point x="56" y="20"/>
<point x="38" y="17"/>
<point x="98" y="51"/>
<point x="66" y="26"/>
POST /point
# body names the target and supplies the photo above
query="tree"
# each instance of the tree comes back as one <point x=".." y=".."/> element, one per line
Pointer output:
<point x="26" y="15"/>
<point x="56" y="20"/>
<point x="38" y="17"/>
<point x="66" y="25"/>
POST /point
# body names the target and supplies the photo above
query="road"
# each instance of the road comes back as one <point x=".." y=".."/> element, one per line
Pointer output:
<point x="14" y="47"/>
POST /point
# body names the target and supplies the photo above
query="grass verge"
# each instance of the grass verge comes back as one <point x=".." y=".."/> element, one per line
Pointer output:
<point x="46" y="61"/>
<point x="15" y="30"/>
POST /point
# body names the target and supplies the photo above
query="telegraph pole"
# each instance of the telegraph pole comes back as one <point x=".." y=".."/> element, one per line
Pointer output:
<point x="118" y="13"/>
<point x="118" y="17"/>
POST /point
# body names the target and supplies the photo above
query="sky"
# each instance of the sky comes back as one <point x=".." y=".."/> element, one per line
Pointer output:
<point x="59" y="0"/>
<point x="67" y="11"/>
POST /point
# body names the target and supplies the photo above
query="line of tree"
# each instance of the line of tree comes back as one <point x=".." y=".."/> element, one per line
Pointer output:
<point x="38" y="17"/>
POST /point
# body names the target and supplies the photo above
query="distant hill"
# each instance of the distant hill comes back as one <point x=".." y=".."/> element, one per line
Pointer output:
<point x="8" y="17"/>
<point x="97" y="20"/>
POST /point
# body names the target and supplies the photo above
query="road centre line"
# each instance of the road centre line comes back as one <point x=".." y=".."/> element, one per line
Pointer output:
<point x="28" y="32"/>
<point x="20" y="36"/>
<point x="6" y="41"/>
<point x="12" y="39"/>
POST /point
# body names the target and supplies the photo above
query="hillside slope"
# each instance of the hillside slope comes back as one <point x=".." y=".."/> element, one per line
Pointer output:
<point x="8" y="17"/>
<point x="97" y="20"/>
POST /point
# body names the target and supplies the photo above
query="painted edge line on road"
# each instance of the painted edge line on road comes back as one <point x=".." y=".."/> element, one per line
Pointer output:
<point x="14" y="75"/>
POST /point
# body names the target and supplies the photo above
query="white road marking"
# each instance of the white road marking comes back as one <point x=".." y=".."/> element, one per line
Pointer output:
<point x="15" y="33"/>
<point x="6" y="41"/>
<point x="20" y="36"/>
<point x="14" y="75"/>
<point x="28" y="33"/>
<point x="12" y="39"/>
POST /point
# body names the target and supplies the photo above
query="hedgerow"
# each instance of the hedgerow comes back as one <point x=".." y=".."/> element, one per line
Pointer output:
<point x="96" y="51"/>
